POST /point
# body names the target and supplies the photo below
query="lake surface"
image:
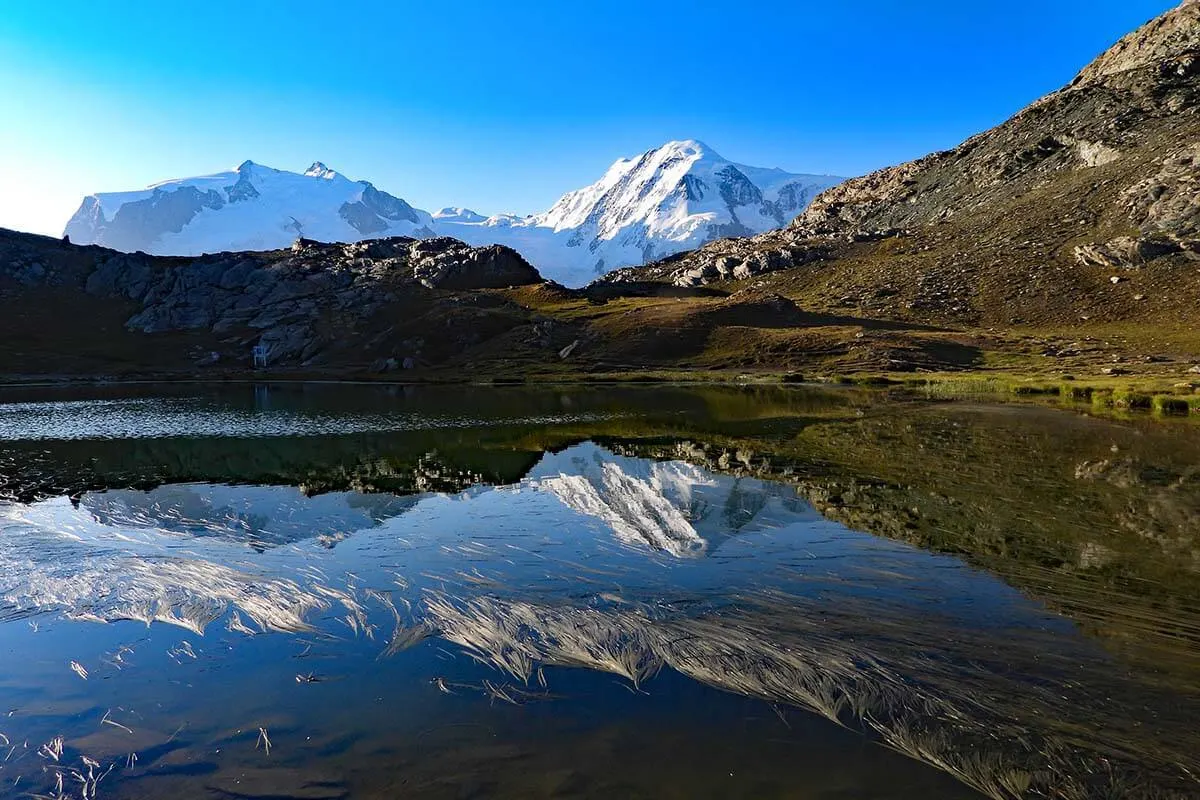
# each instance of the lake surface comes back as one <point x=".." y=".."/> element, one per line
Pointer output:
<point x="314" y="591"/>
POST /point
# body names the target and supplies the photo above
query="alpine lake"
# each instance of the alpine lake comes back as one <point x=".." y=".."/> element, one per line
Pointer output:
<point x="364" y="591"/>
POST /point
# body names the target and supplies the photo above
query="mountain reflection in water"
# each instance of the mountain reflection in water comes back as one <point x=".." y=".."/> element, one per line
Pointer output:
<point x="451" y="637"/>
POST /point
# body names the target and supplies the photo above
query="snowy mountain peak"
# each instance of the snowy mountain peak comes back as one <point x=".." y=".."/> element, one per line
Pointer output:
<point x="319" y="170"/>
<point x="668" y="199"/>
<point x="250" y="208"/>
<point x="672" y="198"/>
<point x="458" y="214"/>
<point x="686" y="148"/>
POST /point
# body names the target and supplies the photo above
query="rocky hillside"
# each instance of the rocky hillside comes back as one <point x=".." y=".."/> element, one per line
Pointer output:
<point x="1082" y="209"/>
<point x="400" y="302"/>
<point x="1132" y="113"/>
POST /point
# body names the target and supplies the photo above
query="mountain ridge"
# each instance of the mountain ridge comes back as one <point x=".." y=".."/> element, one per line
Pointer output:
<point x="669" y="199"/>
<point x="1061" y="245"/>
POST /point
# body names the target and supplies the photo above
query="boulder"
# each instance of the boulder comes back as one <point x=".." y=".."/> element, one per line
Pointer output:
<point x="702" y="268"/>
<point x="1126" y="252"/>
<point x="449" y="264"/>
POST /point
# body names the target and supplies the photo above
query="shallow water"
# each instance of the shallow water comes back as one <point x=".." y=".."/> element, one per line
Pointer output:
<point x="321" y="591"/>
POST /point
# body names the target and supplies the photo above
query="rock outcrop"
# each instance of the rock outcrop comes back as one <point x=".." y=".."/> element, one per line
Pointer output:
<point x="1114" y="108"/>
<point x="1126" y="251"/>
<point x="286" y="300"/>
<point x="725" y="260"/>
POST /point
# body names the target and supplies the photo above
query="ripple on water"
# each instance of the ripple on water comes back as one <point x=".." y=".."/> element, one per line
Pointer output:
<point x="150" y="418"/>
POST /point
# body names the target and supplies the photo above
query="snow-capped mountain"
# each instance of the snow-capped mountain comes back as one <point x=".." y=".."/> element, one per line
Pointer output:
<point x="670" y="199"/>
<point x="454" y="214"/>
<point x="249" y="208"/>
<point x="673" y="198"/>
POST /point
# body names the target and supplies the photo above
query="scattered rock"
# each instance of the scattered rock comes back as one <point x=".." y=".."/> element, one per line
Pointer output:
<point x="705" y="266"/>
<point x="1125" y="251"/>
<point x="384" y="365"/>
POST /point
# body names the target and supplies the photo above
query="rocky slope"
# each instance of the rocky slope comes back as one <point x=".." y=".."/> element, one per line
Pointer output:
<point x="1083" y="208"/>
<point x="309" y="304"/>
<point x="1135" y="106"/>
<point x="672" y="198"/>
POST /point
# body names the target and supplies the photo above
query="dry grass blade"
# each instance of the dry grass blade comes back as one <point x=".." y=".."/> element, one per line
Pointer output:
<point x="856" y="667"/>
<point x="264" y="741"/>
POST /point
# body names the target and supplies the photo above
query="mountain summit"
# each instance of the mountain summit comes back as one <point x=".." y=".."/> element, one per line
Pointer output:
<point x="1174" y="35"/>
<point x="669" y="199"/>
<point x="250" y="208"/>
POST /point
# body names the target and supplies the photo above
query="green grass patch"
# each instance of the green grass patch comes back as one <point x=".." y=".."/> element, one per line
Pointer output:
<point x="1125" y="398"/>
<point x="1045" y="391"/>
<point x="873" y="380"/>
<point x="1079" y="394"/>
<point x="1171" y="405"/>
<point x="952" y="388"/>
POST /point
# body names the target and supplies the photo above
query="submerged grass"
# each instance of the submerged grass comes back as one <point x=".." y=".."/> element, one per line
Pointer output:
<point x="1006" y="741"/>
<point x="1152" y="394"/>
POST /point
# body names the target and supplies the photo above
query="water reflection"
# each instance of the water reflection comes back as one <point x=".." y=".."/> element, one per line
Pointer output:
<point x="461" y="633"/>
<point x="55" y="558"/>
<point x="260" y="516"/>
<point x="668" y="506"/>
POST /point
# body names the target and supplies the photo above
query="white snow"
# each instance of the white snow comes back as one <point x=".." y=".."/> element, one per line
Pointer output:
<point x="458" y="214"/>
<point x="670" y="507"/>
<point x="288" y="205"/>
<point x="673" y="198"/>
<point x="638" y="211"/>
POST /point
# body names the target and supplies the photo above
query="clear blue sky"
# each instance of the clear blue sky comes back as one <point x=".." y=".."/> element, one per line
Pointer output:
<point x="502" y="106"/>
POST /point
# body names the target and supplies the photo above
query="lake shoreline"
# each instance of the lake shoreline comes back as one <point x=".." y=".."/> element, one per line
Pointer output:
<point x="1150" y="395"/>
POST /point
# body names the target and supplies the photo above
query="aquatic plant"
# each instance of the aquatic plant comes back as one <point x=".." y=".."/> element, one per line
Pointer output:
<point x="953" y="707"/>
